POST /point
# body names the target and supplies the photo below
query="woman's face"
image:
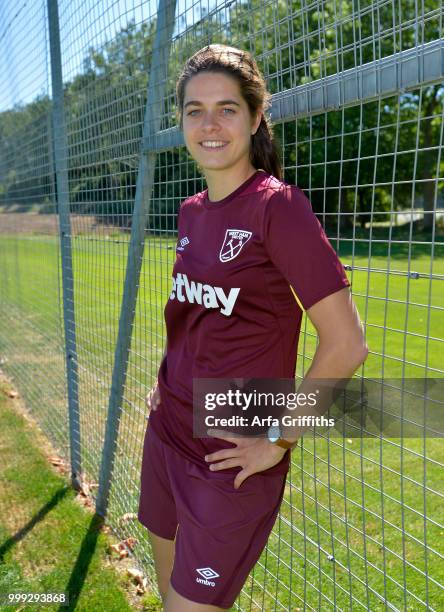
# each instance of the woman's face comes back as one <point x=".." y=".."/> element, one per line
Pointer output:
<point x="215" y="112"/>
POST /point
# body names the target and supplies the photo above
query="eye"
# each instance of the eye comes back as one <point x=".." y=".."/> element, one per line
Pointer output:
<point x="230" y="110"/>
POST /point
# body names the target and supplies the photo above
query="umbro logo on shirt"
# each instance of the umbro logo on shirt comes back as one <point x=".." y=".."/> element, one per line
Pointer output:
<point x="207" y="573"/>
<point x="183" y="243"/>
<point x="185" y="290"/>
<point x="234" y="241"/>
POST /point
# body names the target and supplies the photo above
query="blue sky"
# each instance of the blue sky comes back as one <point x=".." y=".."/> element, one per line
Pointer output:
<point x="24" y="38"/>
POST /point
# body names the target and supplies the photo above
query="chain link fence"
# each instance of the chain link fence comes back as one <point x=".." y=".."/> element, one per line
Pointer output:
<point x="92" y="171"/>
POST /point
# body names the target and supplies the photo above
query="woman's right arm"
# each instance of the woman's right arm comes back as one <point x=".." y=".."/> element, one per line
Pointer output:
<point x="152" y="400"/>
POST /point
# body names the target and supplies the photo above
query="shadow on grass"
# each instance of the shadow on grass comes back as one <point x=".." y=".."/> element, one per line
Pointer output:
<point x="19" y="535"/>
<point x="80" y="569"/>
<point x="86" y="552"/>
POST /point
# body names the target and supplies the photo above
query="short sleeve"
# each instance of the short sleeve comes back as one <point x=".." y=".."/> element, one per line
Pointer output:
<point x="299" y="248"/>
<point x="179" y="216"/>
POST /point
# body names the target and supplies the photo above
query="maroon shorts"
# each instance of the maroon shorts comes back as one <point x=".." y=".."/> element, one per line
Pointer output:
<point x="220" y="532"/>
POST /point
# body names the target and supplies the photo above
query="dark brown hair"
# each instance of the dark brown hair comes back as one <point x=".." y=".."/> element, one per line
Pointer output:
<point x="241" y="65"/>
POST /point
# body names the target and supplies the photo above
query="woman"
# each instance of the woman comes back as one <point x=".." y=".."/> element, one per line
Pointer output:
<point x="251" y="256"/>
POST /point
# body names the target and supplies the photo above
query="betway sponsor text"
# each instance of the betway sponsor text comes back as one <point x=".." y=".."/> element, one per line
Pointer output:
<point x="186" y="290"/>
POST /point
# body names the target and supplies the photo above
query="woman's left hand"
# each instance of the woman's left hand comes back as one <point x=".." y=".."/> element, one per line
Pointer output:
<point x="252" y="454"/>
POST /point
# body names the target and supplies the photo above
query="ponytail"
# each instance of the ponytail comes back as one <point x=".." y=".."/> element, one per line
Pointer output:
<point x="264" y="152"/>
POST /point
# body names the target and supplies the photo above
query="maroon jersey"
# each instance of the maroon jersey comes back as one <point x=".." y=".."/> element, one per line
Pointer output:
<point x="232" y="312"/>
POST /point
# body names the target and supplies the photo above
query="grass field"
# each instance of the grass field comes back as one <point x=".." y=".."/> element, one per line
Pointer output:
<point x="49" y="543"/>
<point x="361" y="521"/>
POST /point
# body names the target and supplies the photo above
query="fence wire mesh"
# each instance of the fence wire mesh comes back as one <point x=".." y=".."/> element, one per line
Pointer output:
<point x="357" y="108"/>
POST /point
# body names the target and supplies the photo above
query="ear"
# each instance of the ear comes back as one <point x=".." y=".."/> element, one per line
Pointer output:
<point x="257" y="122"/>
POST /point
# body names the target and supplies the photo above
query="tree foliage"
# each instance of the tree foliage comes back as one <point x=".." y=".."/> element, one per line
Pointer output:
<point x="361" y="160"/>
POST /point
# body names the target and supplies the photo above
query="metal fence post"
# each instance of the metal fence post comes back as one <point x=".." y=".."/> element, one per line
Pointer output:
<point x="60" y="160"/>
<point x="145" y="179"/>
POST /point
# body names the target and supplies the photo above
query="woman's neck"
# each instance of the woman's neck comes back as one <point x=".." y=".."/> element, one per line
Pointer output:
<point x="220" y="184"/>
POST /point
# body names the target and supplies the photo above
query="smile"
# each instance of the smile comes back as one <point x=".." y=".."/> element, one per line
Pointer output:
<point x="215" y="145"/>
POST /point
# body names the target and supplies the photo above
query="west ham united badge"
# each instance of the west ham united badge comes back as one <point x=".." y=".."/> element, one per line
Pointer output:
<point x="233" y="243"/>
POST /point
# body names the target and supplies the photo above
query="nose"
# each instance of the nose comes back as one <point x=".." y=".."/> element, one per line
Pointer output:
<point x="209" y="120"/>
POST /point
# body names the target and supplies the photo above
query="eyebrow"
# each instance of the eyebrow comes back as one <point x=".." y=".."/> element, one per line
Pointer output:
<point x="220" y="103"/>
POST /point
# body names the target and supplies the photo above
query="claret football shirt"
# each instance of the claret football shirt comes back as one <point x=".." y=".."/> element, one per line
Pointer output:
<point x="232" y="310"/>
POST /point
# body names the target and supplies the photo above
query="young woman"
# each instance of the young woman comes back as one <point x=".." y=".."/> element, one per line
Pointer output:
<point x="251" y="256"/>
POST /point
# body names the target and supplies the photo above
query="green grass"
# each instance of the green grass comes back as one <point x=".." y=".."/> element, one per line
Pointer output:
<point x="49" y="543"/>
<point x="351" y="502"/>
<point x="400" y="314"/>
<point x="344" y="499"/>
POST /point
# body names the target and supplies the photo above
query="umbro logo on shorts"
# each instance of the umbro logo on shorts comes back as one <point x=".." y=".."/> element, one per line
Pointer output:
<point x="186" y="290"/>
<point x="234" y="240"/>
<point x="207" y="573"/>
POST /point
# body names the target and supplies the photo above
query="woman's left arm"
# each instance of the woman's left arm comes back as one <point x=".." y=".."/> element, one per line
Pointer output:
<point x="342" y="347"/>
<point x="340" y="352"/>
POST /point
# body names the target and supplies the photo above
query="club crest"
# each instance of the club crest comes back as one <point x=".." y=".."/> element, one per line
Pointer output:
<point x="233" y="243"/>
